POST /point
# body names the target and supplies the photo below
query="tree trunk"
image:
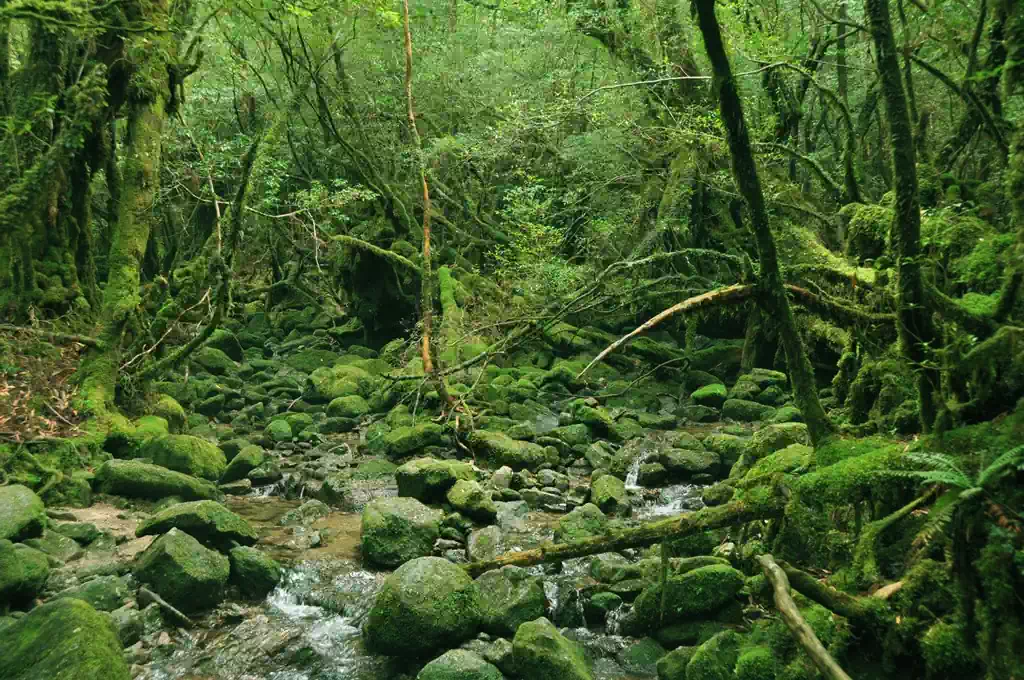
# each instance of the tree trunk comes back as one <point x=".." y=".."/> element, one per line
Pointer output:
<point x="918" y="338"/>
<point x="772" y="295"/>
<point x="147" y="111"/>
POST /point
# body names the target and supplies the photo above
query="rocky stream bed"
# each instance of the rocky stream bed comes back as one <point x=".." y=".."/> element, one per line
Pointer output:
<point x="289" y="511"/>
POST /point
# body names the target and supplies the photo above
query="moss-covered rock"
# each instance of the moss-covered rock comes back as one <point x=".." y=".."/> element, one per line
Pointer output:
<point x="208" y="521"/>
<point x="62" y="640"/>
<point x="689" y="595"/>
<point x="253" y="571"/>
<point x="485" y="544"/>
<point x="713" y="395"/>
<point x="327" y="384"/>
<point x="728" y="446"/>
<point x="540" y="652"/>
<point x="396" y="530"/>
<point x="583" y="522"/>
<point x="460" y="664"/>
<point x="104" y="593"/>
<point x="509" y="597"/>
<point x="248" y="459"/>
<point x="187" y="454"/>
<point x="772" y="438"/>
<point x="278" y="431"/>
<point x="745" y="411"/>
<point x="183" y="572"/>
<point x="428" y="479"/>
<point x="500" y="449"/>
<point x="608" y="493"/>
<point x="757" y="663"/>
<point x="788" y="460"/>
<point x="403" y="441"/>
<point x="169" y="409"/>
<point x="55" y="545"/>
<point x="682" y="464"/>
<point x="214" y="361"/>
<point x="351" y="406"/>
<point x="136" y="479"/>
<point x="715" y="659"/>
<point x="426" y="604"/>
<point x="469" y="498"/>
<point x="23" y="515"/>
<point x="672" y="666"/>
<point x="23" y="573"/>
<point x="226" y="342"/>
<point x="309" y="360"/>
<point x="641" y="657"/>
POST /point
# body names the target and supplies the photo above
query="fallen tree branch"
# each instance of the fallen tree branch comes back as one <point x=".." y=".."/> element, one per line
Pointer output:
<point x="803" y="633"/>
<point x="95" y="343"/>
<point x="686" y="524"/>
<point x="863" y="612"/>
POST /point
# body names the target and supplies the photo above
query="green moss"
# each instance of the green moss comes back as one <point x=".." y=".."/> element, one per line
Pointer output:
<point x="469" y="498"/>
<point x="459" y="664"/>
<point x="867" y="231"/>
<point x="500" y="449"/>
<point x="253" y="571"/>
<point x="542" y="653"/>
<point x="23" y="573"/>
<point x="183" y="572"/>
<point x="208" y="521"/>
<point x="62" y="640"/>
<point x="791" y="459"/>
<point x="946" y="653"/>
<point x="692" y="594"/>
<point x="142" y="480"/>
<point x="187" y="454"/>
<point x="854" y="479"/>
<point x="352" y="406"/>
<point x="756" y="663"/>
<point x="396" y="530"/>
<point x="170" y="410"/>
<point x="214" y="361"/>
<point x="248" y="459"/>
<point x="403" y="441"/>
<point x="278" y="431"/>
<point x="23" y="516"/>
<point x="715" y="659"/>
<point x="428" y="479"/>
<point x="509" y="597"/>
<point x="583" y="522"/>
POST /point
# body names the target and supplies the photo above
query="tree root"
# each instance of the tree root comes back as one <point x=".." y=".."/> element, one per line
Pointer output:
<point x="803" y="633"/>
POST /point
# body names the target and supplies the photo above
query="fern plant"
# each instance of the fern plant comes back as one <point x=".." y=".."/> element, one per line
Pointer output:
<point x="964" y="490"/>
<point x="960" y="513"/>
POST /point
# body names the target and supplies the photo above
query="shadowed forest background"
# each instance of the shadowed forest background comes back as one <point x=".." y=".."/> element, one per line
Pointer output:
<point x="732" y="291"/>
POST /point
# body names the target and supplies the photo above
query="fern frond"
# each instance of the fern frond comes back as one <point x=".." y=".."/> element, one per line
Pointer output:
<point x="994" y="471"/>
<point x="937" y="461"/>
<point x="939" y="517"/>
<point x="954" y="479"/>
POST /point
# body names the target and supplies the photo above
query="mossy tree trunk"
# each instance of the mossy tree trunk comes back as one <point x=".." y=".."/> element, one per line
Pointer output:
<point x="917" y="333"/>
<point x="772" y="293"/>
<point x="148" y="99"/>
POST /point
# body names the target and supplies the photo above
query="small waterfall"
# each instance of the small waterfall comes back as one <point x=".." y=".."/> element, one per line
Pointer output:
<point x="634" y="471"/>
<point x="613" y="624"/>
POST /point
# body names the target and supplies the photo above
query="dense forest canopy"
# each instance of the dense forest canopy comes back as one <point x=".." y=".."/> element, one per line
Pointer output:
<point x="455" y="229"/>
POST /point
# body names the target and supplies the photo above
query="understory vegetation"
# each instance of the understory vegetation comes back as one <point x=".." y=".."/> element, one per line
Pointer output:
<point x="677" y="339"/>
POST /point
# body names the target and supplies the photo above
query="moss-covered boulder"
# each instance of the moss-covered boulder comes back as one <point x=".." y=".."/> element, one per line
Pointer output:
<point x="715" y="659"/>
<point x="713" y="395"/>
<point x="460" y="664"/>
<point x="728" y="446"/>
<point x="692" y="594"/>
<point x="745" y="411"/>
<point x="426" y="604"/>
<point x="351" y="406"/>
<point x="485" y="544"/>
<point x="309" y="360"/>
<point x="23" y="573"/>
<point x="946" y="652"/>
<point x="187" y="454"/>
<point x="683" y="464"/>
<point x="672" y="666"/>
<point x="500" y="449"/>
<point x="509" y="597"/>
<point x="396" y="530"/>
<point x="23" y="515"/>
<point x="226" y="342"/>
<point x="428" y="479"/>
<point x="774" y="437"/>
<point x="608" y="493"/>
<point x="278" y="431"/>
<point x="62" y="640"/>
<point x="208" y="521"/>
<point x="470" y="498"/>
<point x="135" y="479"/>
<point x="327" y="384"/>
<point x="179" y="569"/>
<point x="214" y="361"/>
<point x="583" y="522"/>
<point x="757" y="663"/>
<point x="540" y="652"/>
<point x="402" y="441"/>
<point x="253" y="571"/>
<point x="245" y="461"/>
<point x="105" y="593"/>
<point x="169" y="409"/>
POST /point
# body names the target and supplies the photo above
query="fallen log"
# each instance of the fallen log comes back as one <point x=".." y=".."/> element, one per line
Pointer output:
<point x="735" y="513"/>
<point x="803" y="633"/>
